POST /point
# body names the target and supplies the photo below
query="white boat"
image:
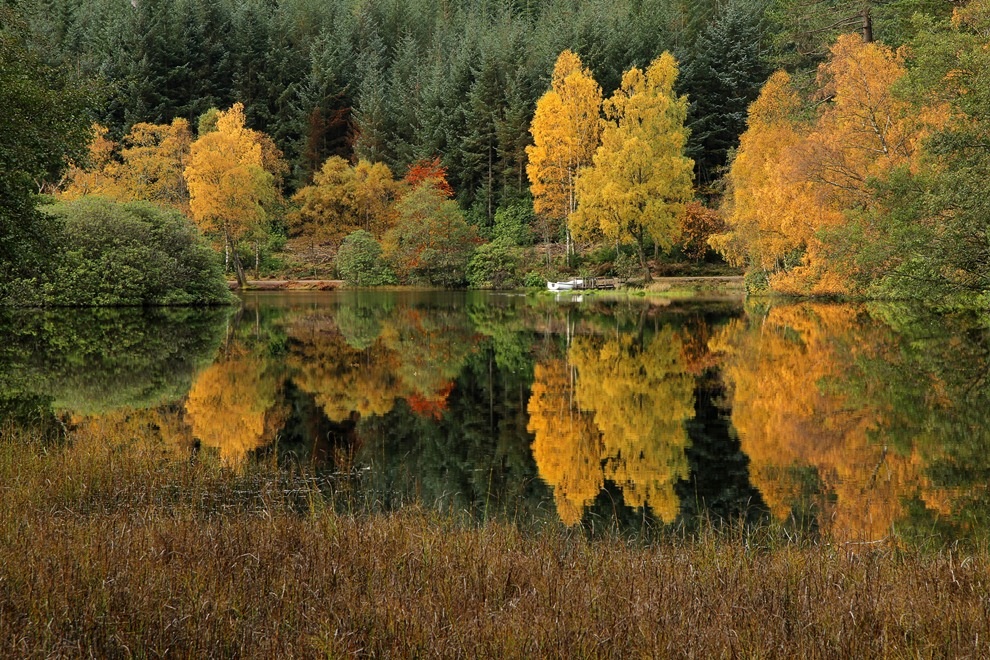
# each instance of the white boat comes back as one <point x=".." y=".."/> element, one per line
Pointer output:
<point x="564" y="286"/>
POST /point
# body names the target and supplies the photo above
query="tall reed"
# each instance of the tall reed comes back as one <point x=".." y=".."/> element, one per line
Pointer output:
<point x="120" y="551"/>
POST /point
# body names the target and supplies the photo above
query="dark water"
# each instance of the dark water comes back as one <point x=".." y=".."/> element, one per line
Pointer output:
<point x="857" y="422"/>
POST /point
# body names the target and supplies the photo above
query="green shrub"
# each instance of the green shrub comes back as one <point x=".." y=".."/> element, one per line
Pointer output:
<point x="494" y="265"/>
<point x="359" y="261"/>
<point x="431" y="243"/>
<point x="534" y="280"/>
<point x="513" y="224"/>
<point x="131" y="253"/>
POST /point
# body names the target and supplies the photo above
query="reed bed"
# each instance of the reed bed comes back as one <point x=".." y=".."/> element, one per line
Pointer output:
<point x="124" y="551"/>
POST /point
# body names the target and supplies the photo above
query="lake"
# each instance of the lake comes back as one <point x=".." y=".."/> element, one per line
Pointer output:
<point x="856" y="423"/>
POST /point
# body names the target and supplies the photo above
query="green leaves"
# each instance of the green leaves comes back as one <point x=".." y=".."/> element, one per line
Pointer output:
<point x="130" y="254"/>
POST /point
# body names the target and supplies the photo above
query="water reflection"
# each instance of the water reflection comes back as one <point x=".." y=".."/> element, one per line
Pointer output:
<point x="860" y="414"/>
<point x="854" y="422"/>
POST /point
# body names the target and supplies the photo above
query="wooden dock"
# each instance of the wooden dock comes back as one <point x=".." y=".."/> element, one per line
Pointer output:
<point x="600" y="283"/>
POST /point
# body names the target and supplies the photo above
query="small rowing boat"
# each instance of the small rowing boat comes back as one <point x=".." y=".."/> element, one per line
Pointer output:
<point x="565" y="286"/>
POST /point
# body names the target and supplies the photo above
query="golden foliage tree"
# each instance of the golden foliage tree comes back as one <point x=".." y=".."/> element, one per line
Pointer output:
<point x="327" y="209"/>
<point x="153" y="162"/>
<point x="566" y="129"/>
<point x="375" y="191"/>
<point x="97" y="177"/>
<point x="792" y="179"/>
<point x="343" y="199"/>
<point x="773" y="211"/>
<point x="228" y="184"/>
<point x="641" y="180"/>
<point x="148" y="167"/>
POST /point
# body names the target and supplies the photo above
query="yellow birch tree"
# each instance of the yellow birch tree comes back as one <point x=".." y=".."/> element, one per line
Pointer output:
<point x="228" y="184"/>
<point x="641" y="180"/>
<point x="566" y="129"/>
<point x="153" y="163"/>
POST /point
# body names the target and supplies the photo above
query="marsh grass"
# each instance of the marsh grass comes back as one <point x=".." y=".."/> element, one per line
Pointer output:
<point x="126" y="551"/>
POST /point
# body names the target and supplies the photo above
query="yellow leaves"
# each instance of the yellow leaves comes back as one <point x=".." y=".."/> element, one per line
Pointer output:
<point x="97" y="178"/>
<point x="228" y="184"/>
<point x="343" y="199"/>
<point x="772" y="210"/>
<point x="641" y="179"/>
<point x="153" y="164"/>
<point x="566" y="129"/>
<point x="866" y="131"/>
<point x="974" y="16"/>
<point x="615" y="411"/>
<point x="149" y="166"/>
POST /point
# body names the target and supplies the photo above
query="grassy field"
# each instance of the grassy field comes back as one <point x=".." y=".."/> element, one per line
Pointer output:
<point x="121" y="551"/>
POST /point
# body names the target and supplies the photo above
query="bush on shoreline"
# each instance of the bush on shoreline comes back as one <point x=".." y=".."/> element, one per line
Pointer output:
<point x="126" y="254"/>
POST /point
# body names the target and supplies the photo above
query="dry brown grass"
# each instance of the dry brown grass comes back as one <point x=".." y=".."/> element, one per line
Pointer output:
<point x="123" y="552"/>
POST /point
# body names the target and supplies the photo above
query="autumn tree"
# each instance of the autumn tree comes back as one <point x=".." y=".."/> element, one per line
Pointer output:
<point x="147" y="166"/>
<point x="566" y="129"/>
<point x="375" y="192"/>
<point x="94" y="176"/>
<point x="796" y="181"/>
<point x="327" y="208"/>
<point x="228" y="184"/>
<point x="641" y="179"/>
<point x="771" y="211"/>
<point x="343" y="199"/>
<point x="431" y="242"/>
<point x="700" y="223"/>
<point x="429" y="170"/>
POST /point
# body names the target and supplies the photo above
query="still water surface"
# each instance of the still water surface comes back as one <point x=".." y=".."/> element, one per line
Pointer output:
<point x="857" y="422"/>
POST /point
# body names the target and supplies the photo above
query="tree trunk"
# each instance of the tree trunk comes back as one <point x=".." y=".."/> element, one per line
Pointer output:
<point x="238" y="268"/>
<point x="257" y="260"/>
<point x="647" y="276"/>
<point x="867" y="25"/>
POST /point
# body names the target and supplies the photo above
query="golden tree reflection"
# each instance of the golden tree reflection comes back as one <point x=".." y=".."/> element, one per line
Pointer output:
<point x="343" y="379"/>
<point x="233" y="405"/>
<point x="791" y="410"/>
<point x="159" y="430"/>
<point x="567" y="445"/>
<point x="616" y="412"/>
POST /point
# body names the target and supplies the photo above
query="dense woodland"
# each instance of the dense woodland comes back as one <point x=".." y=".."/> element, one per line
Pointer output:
<point x="556" y="136"/>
